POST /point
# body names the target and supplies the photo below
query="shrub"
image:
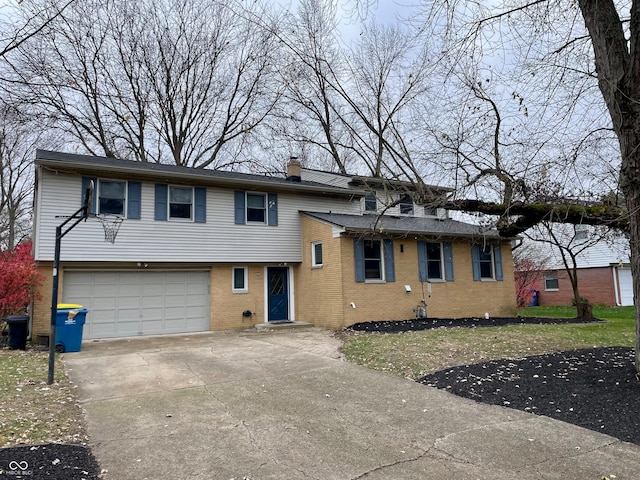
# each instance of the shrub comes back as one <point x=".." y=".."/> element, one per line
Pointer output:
<point x="18" y="278"/>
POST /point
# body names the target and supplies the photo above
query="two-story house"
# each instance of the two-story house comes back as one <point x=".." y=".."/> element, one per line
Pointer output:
<point x="203" y="250"/>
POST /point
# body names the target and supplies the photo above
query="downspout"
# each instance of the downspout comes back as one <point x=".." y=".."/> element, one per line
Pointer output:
<point x="34" y="240"/>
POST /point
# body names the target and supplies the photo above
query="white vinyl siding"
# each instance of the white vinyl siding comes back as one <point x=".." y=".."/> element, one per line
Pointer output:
<point x="146" y="240"/>
<point x="133" y="303"/>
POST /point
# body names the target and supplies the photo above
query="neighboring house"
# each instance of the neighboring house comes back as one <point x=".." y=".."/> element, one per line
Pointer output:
<point x="207" y="250"/>
<point x="604" y="277"/>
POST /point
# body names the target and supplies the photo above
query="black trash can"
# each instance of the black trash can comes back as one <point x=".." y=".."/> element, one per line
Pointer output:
<point x="18" y="329"/>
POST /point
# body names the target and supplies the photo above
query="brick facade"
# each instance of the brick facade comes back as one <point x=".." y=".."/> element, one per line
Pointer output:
<point x="325" y="295"/>
<point x="41" y="305"/>
<point x="595" y="284"/>
<point x="227" y="306"/>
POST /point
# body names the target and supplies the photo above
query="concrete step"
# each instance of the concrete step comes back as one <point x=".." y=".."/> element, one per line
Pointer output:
<point x="282" y="325"/>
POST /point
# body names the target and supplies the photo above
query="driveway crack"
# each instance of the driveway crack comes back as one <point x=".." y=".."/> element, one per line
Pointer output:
<point x="392" y="464"/>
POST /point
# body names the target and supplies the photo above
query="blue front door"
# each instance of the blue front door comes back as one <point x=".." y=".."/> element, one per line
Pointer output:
<point x="278" y="293"/>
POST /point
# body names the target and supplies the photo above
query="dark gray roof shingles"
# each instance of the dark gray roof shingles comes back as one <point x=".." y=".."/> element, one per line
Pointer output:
<point x="78" y="162"/>
<point x="404" y="225"/>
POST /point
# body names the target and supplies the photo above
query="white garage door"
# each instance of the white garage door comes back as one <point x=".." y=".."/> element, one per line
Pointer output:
<point x="132" y="303"/>
<point x="626" y="286"/>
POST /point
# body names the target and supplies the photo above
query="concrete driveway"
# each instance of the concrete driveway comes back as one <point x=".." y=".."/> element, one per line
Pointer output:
<point x="284" y="405"/>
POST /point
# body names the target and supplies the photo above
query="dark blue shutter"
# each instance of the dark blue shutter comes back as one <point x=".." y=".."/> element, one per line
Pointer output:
<point x="200" y="208"/>
<point x="161" y="201"/>
<point x="239" y="205"/>
<point x="272" y="209"/>
<point x="85" y="184"/>
<point x="423" y="267"/>
<point x="134" y="200"/>
<point x="448" y="261"/>
<point x="389" y="264"/>
<point x="475" y="260"/>
<point x="497" y="260"/>
<point x="358" y="255"/>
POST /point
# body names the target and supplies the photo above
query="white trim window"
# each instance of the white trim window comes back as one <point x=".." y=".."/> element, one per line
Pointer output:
<point x="240" y="279"/>
<point x="405" y="205"/>
<point x="374" y="260"/>
<point x="370" y="202"/>
<point x="256" y="208"/>
<point x="180" y="203"/>
<point x="487" y="262"/>
<point x="316" y="255"/>
<point x="112" y="197"/>
<point x="551" y="281"/>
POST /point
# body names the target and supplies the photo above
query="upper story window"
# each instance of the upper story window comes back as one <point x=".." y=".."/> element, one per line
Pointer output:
<point x="111" y="197"/>
<point x="406" y="205"/>
<point x="256" y="207"/>
<point x="180" y="203"/>
<point x="430" y="211"/>
<point x="582" y="232"/>
<point x="370" y="203"/>
<point x="114" y="197"/>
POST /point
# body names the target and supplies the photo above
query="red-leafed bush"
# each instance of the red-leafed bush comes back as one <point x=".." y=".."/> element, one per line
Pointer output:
<point x="527" y="278"/>
<point x="18" y="278"/>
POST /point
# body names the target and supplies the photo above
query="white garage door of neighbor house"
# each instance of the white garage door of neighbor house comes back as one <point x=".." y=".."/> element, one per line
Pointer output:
<point x="133" y="303"/>
<point x="626" y="287"/>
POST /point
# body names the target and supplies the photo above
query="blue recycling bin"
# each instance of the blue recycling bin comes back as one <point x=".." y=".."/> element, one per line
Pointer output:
<point x="69" y="324"/>
<point x="535" y="298"/>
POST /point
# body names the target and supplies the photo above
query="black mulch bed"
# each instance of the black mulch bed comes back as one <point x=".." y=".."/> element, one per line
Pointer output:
<point x="429" y="323"/>
<point x="51" y="461"/>
<point x="593" y="388"/>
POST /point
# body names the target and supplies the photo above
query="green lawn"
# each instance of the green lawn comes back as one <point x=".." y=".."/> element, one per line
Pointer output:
<point x="414" y="354"/>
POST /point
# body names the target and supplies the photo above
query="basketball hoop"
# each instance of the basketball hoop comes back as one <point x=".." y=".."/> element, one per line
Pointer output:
<point x="111" y="225"/>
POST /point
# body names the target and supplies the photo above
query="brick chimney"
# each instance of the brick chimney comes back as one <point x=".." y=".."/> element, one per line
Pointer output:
<point x="294" y="170"/>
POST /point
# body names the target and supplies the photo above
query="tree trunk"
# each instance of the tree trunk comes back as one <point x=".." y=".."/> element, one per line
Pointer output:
<point x="632" y="195"/>
<point x="584" y="308"/>
<point x="618" y="66"/>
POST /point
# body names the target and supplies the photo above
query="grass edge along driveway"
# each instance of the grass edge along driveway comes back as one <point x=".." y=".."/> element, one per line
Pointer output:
<point x="415" y="354"/>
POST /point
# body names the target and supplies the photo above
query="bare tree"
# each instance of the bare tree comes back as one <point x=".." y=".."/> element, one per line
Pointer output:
<point x="539" y="53"/>
<point x="18" y="137"/>
<point x="557" y="64"/>
<point x="312" y="108"/>
<point x="530" y="264"/>
<point x="387" y="72"/>
<point x="158" y="80"/>
<point x="20" y="21"/>
<point x="570" y="242"/>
